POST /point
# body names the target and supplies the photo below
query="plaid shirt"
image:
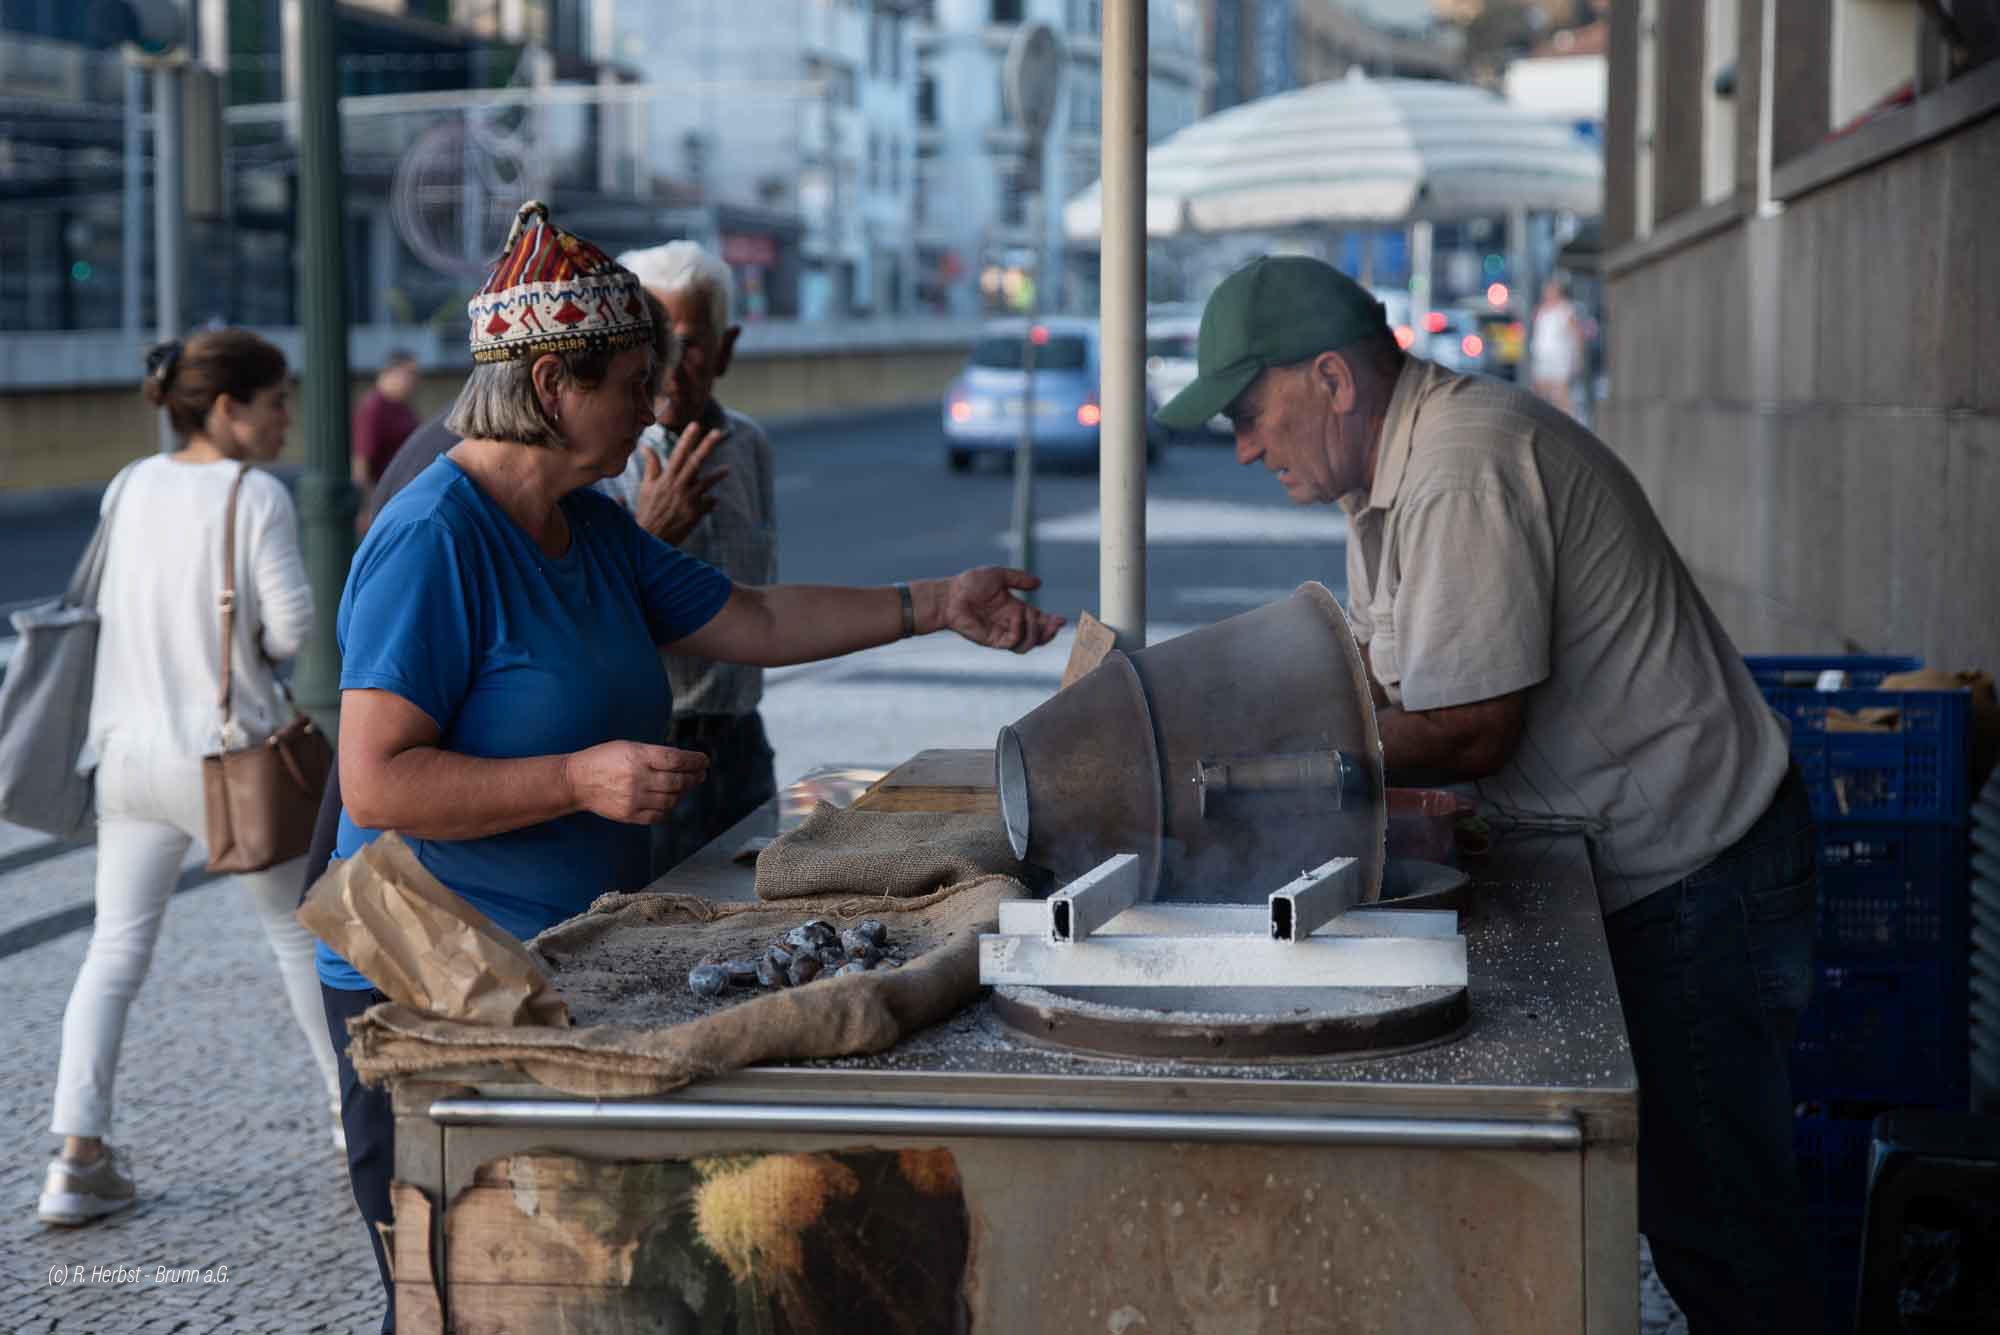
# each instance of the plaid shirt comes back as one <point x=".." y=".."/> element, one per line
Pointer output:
<point x="739" y="538"/>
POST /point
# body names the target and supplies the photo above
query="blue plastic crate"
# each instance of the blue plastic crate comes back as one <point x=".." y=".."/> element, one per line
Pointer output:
<point x="1801" y="671"/>
<point x="1915" y="774"/>
<point x="1833" y="1157"/>
<point x="1892" y="890"/>
<point x="1837" y="1235"/>
<point x="1884" y="1028"/>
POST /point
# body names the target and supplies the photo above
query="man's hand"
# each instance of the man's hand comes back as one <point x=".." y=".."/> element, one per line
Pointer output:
<point x="672" y="500"/>
<point x="980" y="605"/>
<point x="631" y="781"/>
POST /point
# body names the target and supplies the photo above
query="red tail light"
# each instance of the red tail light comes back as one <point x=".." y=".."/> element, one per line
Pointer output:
<point x="1434" y="322"/>
<point x="1405" y="336"/>
<point x="1473" y="345"/>
<point x="961" y="411"/>
<point x="1088" y="414"/>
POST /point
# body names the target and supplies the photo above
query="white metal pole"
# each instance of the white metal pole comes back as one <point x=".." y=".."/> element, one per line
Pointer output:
<point x="1420" y="281"/>
<point x="1023" y="553"/>
<point x="1121" y="567"/>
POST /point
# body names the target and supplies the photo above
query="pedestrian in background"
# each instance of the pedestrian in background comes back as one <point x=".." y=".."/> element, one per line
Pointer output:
<point x="1555" y="347"/>
<point x="727" y="517"/>
<point x="153" y="717"/>
<point x="383" y="420"/>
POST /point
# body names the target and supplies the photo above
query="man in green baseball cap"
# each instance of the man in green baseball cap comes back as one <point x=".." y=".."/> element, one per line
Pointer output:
<point x="1274" y="331"/>
<point x="1528" y="626"/>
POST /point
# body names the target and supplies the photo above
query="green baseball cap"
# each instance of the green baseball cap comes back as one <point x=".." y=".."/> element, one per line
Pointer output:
<point x="1274" y="311"/>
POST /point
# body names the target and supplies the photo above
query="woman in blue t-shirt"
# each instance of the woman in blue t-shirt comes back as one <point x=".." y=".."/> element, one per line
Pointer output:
<point x="502" y="695"/>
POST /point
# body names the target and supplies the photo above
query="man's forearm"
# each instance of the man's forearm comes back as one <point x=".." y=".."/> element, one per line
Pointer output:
<point x="1425" y="748"/>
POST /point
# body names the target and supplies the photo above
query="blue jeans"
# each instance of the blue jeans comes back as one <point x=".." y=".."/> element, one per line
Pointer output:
<point x="1713" y="974"/>
<point x="370" y="1123"/>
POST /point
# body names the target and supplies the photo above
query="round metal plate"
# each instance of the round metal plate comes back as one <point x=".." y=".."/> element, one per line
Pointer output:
<point x="1250" y="1024"/>
<point x="1410" y="883"/>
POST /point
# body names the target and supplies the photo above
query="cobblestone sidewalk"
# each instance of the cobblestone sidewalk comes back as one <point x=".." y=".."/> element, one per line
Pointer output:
<point x="218" y="1106"/>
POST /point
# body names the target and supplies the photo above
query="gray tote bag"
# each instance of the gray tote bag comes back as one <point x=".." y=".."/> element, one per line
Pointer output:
<point x="45" y="700"/>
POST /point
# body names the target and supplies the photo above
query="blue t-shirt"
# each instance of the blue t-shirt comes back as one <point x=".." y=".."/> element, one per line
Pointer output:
<point x="513" y="652"/>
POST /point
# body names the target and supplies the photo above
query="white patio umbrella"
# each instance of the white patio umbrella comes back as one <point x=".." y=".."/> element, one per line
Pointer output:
<point x="1358" y="150"/>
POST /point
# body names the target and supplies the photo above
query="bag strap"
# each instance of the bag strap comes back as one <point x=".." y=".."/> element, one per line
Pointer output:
<point x="89" y="576"/>
<point x="228" y="599"/>
<point x="227" y="604"/>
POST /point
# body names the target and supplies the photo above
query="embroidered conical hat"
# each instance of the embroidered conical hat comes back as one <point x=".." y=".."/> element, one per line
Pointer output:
<point x="551" y="291"/>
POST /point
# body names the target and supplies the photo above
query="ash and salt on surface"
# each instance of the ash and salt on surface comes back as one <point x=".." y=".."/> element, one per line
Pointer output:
<point x="1545" y="1011"/>
<point x="636" y="977"/>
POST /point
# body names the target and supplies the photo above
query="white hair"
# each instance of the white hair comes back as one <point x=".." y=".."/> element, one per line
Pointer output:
<point x="683" y="266"/>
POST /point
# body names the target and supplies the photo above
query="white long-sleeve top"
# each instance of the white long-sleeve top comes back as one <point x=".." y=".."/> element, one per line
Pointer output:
<point x="159" y="660"/>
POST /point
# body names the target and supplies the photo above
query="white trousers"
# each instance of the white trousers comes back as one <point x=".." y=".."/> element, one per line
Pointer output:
<point x="149" y="810"/>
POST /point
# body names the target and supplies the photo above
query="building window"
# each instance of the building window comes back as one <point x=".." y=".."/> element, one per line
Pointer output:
<point x="836" y="80"/>
<point x="1874" y="56"/>
<point x="1013" y="200"/>
<point x="1718" y="121"/>
<point x="1085" y="114"/>
<point x="1006" y="11"/>
<point x="927" y="101"/>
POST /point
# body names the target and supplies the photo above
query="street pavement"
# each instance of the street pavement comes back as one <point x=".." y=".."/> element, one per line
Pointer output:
<point x="245" y="1222"/>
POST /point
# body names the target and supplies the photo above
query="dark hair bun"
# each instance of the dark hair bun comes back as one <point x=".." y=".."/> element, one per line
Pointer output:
<point x="161" y="360"/>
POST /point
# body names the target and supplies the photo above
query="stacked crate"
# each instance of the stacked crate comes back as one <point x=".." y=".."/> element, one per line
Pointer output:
<point x="1887" y="1024"/>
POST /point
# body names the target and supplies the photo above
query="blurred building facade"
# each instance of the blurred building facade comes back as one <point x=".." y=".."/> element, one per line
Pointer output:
<point x="800" y="109"/>
<point x="1805" y="300"/>
<point x="453" y="111"/>
<point x="976" y="227"/>
<point x="1261" y="47"/>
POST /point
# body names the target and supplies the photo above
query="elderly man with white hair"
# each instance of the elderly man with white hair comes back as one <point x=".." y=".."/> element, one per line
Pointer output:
<point x="726" y="516"/>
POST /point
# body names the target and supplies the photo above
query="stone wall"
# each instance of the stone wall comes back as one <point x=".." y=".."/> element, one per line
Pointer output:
<point x="1812" y="400"/>
<point x="82" y="434"/>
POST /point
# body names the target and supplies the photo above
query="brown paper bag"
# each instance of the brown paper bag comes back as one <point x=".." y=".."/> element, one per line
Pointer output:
<point x="1984" y="708"/>
<point x="424" y="946"/>
<point x="1094" y="640"/>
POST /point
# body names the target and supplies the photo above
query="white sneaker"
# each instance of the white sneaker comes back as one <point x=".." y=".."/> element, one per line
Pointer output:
<point x="76" y="1193"/>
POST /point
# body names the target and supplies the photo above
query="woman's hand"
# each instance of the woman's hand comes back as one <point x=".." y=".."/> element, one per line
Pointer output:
<point x="673" y="499"/>
<point x="981" y="606"/>
<point x="631" y="781"/>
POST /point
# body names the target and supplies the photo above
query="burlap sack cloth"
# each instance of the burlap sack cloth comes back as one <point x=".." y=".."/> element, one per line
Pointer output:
<point x="626" y="959"/>
<point x="899" y="853"/>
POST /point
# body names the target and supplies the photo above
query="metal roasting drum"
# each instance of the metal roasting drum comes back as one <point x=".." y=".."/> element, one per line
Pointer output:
<point x="1229" y="759"/>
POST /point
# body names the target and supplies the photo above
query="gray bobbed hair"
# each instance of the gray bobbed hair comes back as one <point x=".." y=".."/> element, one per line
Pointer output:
<point x="498" y="400"/>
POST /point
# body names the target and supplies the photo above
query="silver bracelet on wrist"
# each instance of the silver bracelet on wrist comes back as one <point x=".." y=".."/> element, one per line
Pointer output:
<point x="909" y="609"/>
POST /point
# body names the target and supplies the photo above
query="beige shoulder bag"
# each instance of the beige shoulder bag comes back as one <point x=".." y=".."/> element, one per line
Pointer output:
<point x="261" y="799"/>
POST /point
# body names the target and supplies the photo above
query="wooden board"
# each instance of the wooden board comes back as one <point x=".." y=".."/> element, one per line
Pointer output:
<point x="940" y="780"/>
<point x="418" y="1311"/>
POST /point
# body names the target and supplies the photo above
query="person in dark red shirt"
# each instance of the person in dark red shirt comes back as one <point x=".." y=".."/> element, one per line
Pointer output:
<point x="383" y="419"/>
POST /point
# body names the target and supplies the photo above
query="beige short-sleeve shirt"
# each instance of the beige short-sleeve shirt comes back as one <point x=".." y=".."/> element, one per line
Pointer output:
<point x="1503" y="548"/>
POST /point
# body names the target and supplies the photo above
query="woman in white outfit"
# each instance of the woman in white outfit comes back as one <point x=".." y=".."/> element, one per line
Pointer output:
<point x="153" y="717"/>
<point x="1555" y="347"/>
